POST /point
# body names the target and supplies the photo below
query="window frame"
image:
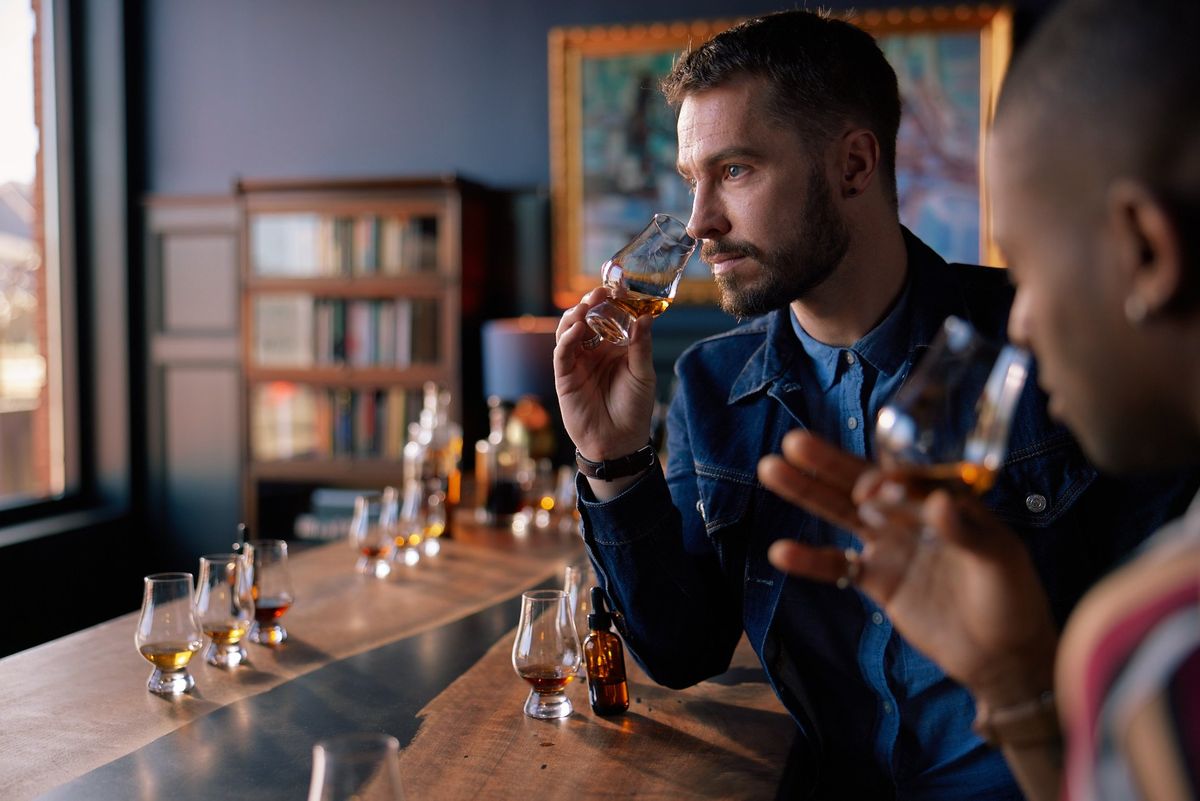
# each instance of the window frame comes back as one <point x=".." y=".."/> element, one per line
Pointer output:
<point x="87" y="200"/>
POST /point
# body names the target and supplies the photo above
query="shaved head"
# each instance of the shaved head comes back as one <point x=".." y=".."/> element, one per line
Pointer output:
<point x="1094" y="174"/>
<point x="1107" y="89"/>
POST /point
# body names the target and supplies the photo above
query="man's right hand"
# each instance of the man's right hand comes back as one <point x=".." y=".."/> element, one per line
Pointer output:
<point x="955" y="581"/>
<point x="605" y="394"/>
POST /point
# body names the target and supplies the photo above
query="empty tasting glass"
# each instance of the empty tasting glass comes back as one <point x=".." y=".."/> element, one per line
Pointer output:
<point x="167" y="632"/>
<point x="361" y="766"/>
<point x="922" y="435"/>
<point x="641" y="278"/>
<point x="578" y="579"/>
<point x="272" y="591"/>
<point x="371" y="536"/>
<point x="224" y="608"/>
<point x="546" y="652"/>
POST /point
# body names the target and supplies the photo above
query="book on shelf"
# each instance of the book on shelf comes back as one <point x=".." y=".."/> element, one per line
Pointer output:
<point x="358" y="333"/>
<point x="366" y="245"/>
<point x="391" y="245"/>
<point x="284" y="421"/>
<point x="297" y="331"/>
<point x="284" y="330"/>
<point x="310" y="244"/>
<point x="286" y="245"/>
<point x="403" y="332"/>
<point x="299" y="421"/>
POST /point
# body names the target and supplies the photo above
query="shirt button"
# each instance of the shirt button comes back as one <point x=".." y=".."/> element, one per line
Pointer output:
<point x="850" y="357"/>
<point x="877" y="618"/>
<point x="700" y="508"/>
<point x="1035" y="503"/>
<point x="887" y="707"/>
<point x="852" y="423"/>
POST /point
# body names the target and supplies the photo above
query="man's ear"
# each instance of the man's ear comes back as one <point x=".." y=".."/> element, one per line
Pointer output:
<point x="1148" y="247"/>
<point x="858" y="160"/>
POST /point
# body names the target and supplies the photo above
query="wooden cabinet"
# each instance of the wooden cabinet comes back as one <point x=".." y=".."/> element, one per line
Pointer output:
<point x="354" y="295"/>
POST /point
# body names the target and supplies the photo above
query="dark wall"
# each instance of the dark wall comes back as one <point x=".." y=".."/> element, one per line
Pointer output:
<point x="310" y="87"/>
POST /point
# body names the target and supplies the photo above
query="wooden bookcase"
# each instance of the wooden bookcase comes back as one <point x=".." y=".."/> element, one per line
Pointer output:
<point x="354" y="294"/>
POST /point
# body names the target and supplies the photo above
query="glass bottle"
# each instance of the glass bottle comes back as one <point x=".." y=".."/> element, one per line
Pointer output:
<point x="608" y="690"/>
<point x="505" y="461"/>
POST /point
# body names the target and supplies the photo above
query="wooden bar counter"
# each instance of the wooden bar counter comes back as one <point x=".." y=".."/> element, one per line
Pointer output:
<point x="423" y="655"/>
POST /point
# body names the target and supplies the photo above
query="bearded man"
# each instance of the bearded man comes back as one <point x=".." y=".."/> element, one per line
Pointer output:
<point x="787" y="137"/>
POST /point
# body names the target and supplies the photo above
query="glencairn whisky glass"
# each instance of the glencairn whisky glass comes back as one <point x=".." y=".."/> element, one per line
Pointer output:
<point x="546" y="652"/>
<point x="641" y="278"/>
<point x="224" y="609"/>
<point x="272" y="591"/>
<point x="362" y="766"/>
<point x="167" y="632"/>
<point x="372" y="540"/>
<point x="922" y="435"/>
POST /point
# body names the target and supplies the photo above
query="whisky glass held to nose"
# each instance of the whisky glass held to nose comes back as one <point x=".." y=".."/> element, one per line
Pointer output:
<point x="948" y="425"/>
<point x="641" y="279"/>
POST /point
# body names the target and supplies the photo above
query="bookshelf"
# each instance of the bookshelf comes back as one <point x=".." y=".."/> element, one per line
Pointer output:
<point x="354" y="295"/>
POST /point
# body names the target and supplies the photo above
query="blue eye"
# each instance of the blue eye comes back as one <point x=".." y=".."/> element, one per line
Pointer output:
<point x="734" y="170"/>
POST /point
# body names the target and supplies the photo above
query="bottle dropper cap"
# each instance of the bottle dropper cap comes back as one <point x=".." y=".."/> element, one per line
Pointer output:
<point x="599" y="619"/>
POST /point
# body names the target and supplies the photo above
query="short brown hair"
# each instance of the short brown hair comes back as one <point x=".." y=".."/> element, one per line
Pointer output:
<point x="823" y="72"/>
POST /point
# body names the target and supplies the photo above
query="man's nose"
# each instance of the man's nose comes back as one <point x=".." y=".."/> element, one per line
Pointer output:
<point x="708" y="220"/>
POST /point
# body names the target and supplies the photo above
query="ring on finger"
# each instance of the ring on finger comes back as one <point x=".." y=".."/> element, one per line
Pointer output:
<point x="853" y="569"/>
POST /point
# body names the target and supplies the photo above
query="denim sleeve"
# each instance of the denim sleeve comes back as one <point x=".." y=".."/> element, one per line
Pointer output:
<point x="679" y="614"/>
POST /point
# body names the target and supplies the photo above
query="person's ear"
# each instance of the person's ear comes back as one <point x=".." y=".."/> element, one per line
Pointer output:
<point x="1148" y="249"/>
<point x="858" y="161"/>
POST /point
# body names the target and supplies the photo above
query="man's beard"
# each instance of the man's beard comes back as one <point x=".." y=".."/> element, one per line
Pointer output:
<point x="817" y="244"/>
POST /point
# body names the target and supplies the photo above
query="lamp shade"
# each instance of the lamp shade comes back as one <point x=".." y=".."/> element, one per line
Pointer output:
<point x="518" y="358"/>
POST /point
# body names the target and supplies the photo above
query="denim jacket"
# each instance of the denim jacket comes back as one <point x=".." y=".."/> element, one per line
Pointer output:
<point x="682" y="553"/>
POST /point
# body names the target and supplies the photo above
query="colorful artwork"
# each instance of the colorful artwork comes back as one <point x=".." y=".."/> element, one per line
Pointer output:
<point x="613" y="137"/>
<point x="937" y="151"/>
<point x="629" y="150"/>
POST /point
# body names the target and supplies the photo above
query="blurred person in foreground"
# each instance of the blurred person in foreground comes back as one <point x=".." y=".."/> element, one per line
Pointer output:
<point x="1095" y="161"/>
<point x="787" y="133"/>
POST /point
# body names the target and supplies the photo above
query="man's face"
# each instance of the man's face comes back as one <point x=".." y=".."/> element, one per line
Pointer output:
<point x="762" y="203"/>
<point x="1069" y="303"/>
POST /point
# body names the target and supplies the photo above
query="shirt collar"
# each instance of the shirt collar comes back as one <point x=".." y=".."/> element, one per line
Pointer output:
<point x="885" y="347"/>
<point x="933" y="292"/>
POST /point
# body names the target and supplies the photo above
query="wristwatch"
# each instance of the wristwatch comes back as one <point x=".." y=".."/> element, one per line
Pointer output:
<point x="628" y="465"/>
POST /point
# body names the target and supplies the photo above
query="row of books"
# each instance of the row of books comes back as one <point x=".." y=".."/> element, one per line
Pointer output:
<point x="297" y="421"/>
<point x="303" y="331"/>
<point x="310" y="245"/>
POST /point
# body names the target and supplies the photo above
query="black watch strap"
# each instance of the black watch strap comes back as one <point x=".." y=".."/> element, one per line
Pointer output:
<point x="628" y="465"/>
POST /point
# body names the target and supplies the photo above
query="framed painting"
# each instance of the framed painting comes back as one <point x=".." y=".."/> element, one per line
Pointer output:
<point x="612" y="136"/>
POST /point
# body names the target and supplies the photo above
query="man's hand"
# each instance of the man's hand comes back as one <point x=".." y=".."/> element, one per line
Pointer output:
<point x="955" y="582"/>
<point x="606" y="394"/>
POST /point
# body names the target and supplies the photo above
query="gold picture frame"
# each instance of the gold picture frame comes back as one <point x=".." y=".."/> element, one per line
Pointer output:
<point x="612" y="137"/>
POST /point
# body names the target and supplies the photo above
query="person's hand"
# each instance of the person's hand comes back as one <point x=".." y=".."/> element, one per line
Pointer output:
<point x="606" y="394"/>
<point x="955" y="582"/>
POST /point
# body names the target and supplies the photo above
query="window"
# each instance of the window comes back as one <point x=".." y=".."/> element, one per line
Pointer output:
<point x="35" y="460"/>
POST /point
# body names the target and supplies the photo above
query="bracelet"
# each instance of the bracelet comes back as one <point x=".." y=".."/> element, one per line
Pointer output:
<point x="1031" y="722"/>
<point x="628" y="465"/>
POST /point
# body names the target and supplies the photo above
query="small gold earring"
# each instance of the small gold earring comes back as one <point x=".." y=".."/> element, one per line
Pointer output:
<point x="1136" y="309"/>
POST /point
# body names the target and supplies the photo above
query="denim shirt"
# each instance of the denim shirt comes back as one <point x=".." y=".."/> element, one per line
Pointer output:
<point x="682" y="552"/>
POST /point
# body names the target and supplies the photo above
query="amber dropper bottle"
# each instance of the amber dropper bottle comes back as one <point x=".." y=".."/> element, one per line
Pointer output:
<point x="607" y="689"/>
